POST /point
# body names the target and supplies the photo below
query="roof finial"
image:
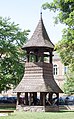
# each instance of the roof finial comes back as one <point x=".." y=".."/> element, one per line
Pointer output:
<point x="41" y="13"/>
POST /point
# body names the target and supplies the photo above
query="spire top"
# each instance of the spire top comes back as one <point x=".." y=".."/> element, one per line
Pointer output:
<point x="41" y="13"/>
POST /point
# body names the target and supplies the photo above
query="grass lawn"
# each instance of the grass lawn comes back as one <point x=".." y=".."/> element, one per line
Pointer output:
<point x="40" y="115"/>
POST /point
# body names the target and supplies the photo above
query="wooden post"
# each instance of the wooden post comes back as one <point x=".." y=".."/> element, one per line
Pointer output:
<point x="50" y="98"/>
<point x="42" y="57"/>
<point x="26" y="98"/>
<point x="41" y="98"/>
<point x="57" y="99"/>
<point x="51" y="57"/>
<point x="35" y="98"/>
<point x="27" y="56"/>
<point x="18" y="98"/>
<point x="30" y="100"/>
<point x="36" y="58"/>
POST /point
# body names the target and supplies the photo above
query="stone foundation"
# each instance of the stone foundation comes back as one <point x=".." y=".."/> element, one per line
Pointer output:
<point x="37" y="108"/>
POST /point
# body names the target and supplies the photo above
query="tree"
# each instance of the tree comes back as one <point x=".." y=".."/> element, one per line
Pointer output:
<point x="69" y="83"/>
<point x="11" y="41"/>
<point x="65" y="47"/>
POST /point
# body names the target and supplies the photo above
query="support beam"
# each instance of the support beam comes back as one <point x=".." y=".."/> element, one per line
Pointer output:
<point x="18" y="98"/>
<point x="44" y="97"/>
<point x="41" y="98"/>
<point x="35" y="98"/>
<point x="30" y="100"/>
<point x="57" y="98"/>
<point x="36" y="56"/>
<point x="50" y="97"/>
<point x="26" y="98"/>
<point x="28" y="56"/>
<point x="51" y="57"/>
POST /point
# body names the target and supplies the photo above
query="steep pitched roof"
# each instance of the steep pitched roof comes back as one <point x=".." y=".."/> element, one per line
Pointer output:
<point x="38" y="77"/>
<point x="40" y="37"/>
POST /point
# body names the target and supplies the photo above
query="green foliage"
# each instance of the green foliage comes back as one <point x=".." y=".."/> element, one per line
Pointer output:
<point x="69" y="83"/>
<point x="65" y="9"/>
<point x="65" y="47"/>
<point x="66" y="50"/>
<point x="11" y="41"/>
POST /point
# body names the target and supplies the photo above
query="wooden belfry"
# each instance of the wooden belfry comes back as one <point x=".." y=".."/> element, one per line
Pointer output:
<point x="38" y="80"/>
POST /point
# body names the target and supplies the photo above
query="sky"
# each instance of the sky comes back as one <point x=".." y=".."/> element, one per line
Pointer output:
<point x="26" y="13"/>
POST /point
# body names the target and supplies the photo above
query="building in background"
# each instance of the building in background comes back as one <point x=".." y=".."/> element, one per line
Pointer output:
<point x="59" y="70"/>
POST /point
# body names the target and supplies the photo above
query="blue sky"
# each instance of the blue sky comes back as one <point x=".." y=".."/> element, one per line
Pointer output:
<point x="26" y="13"/>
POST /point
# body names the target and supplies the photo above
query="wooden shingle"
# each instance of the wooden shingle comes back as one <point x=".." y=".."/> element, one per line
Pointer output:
<point x="39" y="38"/>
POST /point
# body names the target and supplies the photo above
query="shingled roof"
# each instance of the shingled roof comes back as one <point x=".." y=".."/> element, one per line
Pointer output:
<point x="38" y="77"/>
<point x="39" y="38"/>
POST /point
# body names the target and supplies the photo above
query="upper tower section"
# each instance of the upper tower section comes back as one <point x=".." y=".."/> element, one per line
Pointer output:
<point x="39" y="46"/>
<point x="40" y="38"/>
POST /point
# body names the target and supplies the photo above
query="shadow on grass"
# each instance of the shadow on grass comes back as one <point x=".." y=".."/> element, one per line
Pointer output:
<point x="62" y="111"/>
<point x="66" y="111"/>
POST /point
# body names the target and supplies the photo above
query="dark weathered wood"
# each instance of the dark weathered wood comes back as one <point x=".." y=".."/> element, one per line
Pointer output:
<point x="35" y="98"/>
<point x="57" y="98"/>
<point x="51" y="57"/>
<point x="44" y="99"/>
<point x="38" y="76"/>
<point x="6" y="111"/>
<point x="39" y="39"/>
<point x="41" y="98"/>
<point x="18" y="98"/>
<point x="50" y="98"/>
<point x="26" y="98"/>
